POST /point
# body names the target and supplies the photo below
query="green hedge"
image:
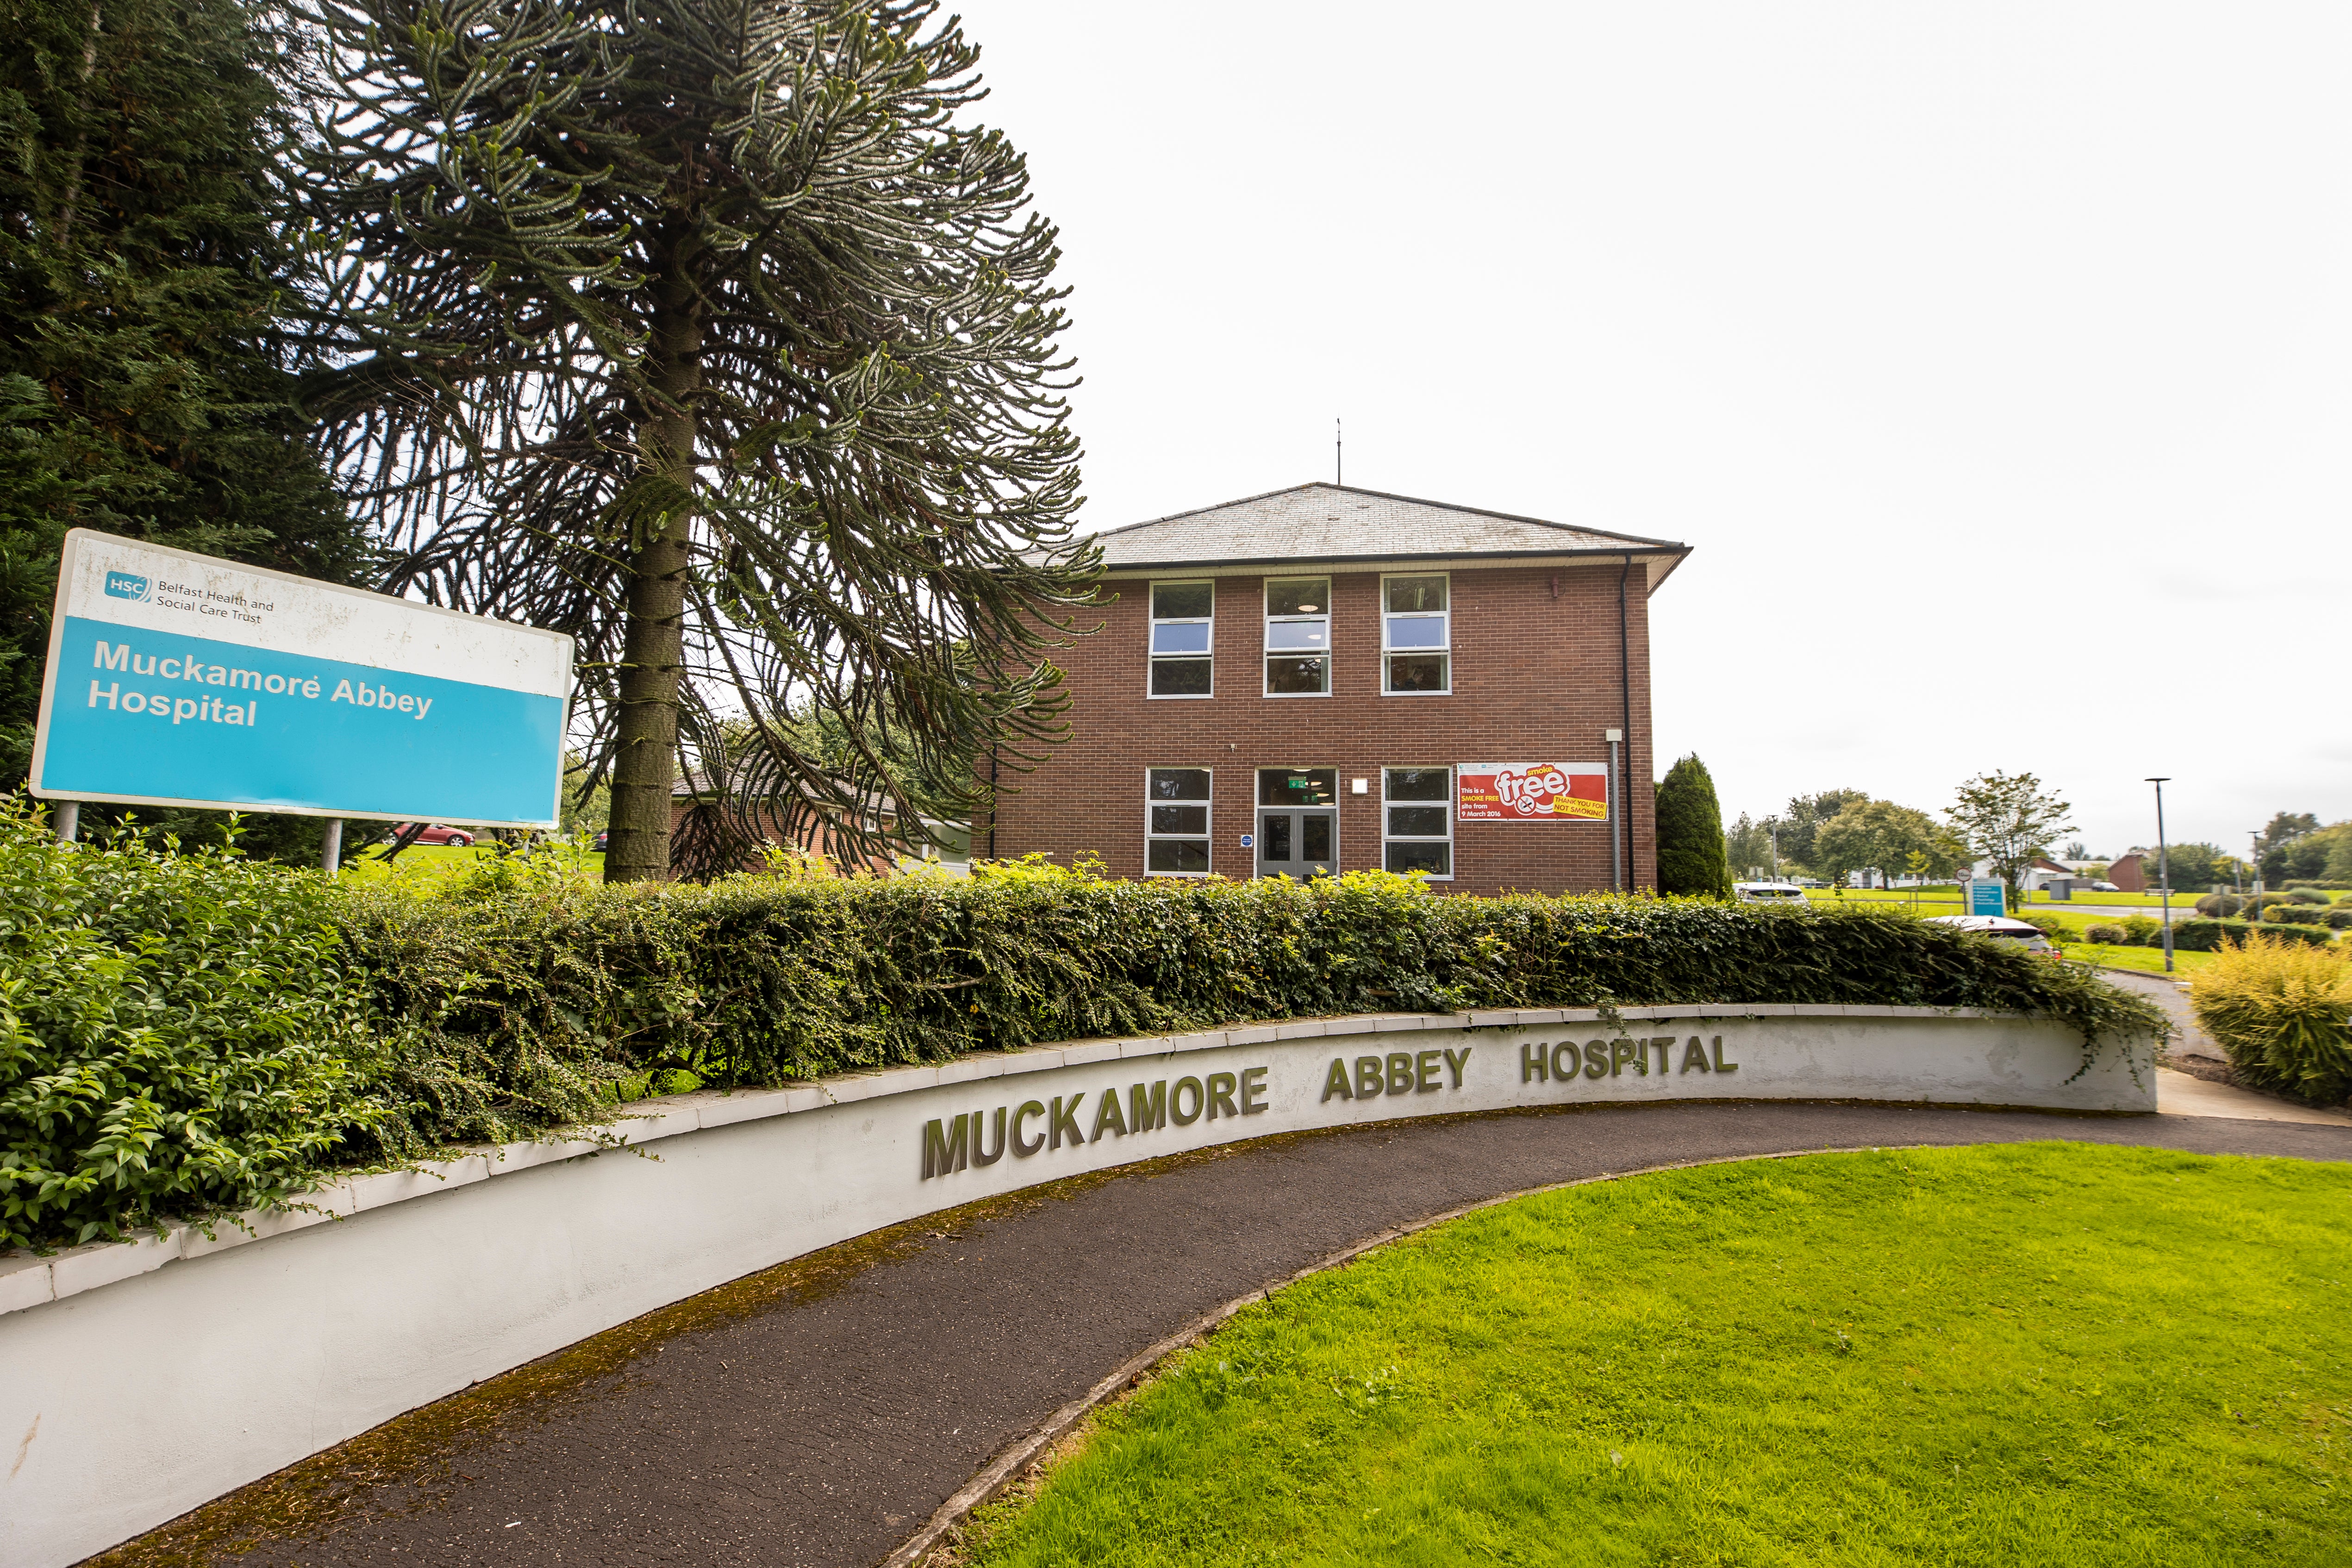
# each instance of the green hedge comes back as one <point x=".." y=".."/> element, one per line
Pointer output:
<point x="2207" y="936"/>
<point x="179" y="1033"/>
<point x="272" y="1042"/>
<point x="756" y="980"/>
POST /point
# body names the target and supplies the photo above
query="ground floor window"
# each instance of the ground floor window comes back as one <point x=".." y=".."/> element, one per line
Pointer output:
<point x="1176" y="822"/>
<point x="1417" y="820"/>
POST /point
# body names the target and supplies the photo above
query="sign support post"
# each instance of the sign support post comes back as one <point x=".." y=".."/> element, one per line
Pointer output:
<point x="67" y="818"/>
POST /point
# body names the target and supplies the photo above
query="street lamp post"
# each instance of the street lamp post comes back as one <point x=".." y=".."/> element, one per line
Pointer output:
<point x="2163" y="869"/>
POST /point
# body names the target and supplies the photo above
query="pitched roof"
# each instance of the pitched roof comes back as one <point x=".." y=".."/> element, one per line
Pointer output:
<point x="1333" y="524"/>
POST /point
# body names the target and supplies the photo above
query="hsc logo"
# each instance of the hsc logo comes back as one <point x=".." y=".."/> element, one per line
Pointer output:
<point x="126" y="586"/>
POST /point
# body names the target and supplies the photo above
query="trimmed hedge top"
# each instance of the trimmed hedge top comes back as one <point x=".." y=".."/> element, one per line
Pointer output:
<point x="521" y="997"/>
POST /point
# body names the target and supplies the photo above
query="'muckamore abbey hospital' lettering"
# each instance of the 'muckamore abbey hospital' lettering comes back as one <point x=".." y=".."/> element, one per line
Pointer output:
<point x="978" y="1139"/>
<point x="956" y="1142"/>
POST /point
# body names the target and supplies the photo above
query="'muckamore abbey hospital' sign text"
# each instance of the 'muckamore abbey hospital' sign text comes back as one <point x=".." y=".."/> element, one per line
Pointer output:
<point x="973" y="1138"/>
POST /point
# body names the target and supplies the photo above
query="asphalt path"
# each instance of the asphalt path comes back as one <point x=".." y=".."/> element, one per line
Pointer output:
<point x="824" y="1426"/>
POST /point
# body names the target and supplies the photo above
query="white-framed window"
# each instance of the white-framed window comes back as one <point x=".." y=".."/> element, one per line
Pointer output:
<point x="1183" y="637"/>
<point x="1417" y="821"/>
<point x="1416" y="636"/>
<point x="1298" y="636"/>
<point x="1176" y="822"/>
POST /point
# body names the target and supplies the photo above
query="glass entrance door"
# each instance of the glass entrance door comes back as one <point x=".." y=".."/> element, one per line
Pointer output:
<point x="1297" y="822"/>
<point x="1297" y="843"/>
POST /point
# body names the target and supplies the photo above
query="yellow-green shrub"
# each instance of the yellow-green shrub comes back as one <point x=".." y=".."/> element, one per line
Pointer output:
<point x="2283" y="1012"/>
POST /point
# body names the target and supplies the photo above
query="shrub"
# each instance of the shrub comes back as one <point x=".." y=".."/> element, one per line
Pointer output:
<point x="290" y="1023"/>
<point x="2106" y="935"/>
<point x="1691" y="857"/>
<point x="2284" y="1013"/>
<point x="2140" y="930"/>
<point x="179" y="1033"/>
<point x="2308" y="896"/>
<point x="2049" y="926"/>
<point x="753" y="981"/>
<point x="2304" y="914"/>
<point x="2209" y="936"/>
<point x="2339" y="918"/>
<point x="2221" y="905"/>
<point x="2270" y="900"/>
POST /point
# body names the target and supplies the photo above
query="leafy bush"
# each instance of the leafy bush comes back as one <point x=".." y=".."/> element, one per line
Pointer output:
<point x="2294" y="914"/>
<point x="2308" y="896"/>
<point x="2283" y="1011"/>
<point x="179" y="1033"/>
<point x="2339" y="918"/>
<point x="2107" y="935"/>
<point x="2141" y="931"/>
<point x="2049" y="926"/>
<point x="753" y="980"/>
<point x="274" y="1023"/>
<point x="2209" y="936"/>
<point x="2220" y="905"/>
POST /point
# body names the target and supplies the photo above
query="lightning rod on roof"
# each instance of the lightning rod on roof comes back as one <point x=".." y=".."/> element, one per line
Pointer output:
<point x="1338" y="456"/>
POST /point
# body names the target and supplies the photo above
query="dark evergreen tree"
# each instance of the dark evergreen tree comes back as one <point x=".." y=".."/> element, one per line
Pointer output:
<point x="145" y="387"/>
<point x="712" y="332"/>
<point x="1690" y="833"/>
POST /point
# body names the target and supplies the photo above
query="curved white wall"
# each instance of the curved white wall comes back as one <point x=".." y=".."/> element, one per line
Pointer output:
<point x="141" y="1378"/>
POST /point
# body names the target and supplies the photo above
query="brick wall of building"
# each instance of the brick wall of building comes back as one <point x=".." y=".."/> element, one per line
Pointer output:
<point x="1535" y="679"/>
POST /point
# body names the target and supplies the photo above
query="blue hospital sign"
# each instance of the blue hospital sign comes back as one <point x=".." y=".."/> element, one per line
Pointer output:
<point x="179" y="679"/>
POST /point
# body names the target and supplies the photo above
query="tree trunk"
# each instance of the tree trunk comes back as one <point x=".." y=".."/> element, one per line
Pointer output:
<point x="638" y="845"/>
<point x="64" y="233"/>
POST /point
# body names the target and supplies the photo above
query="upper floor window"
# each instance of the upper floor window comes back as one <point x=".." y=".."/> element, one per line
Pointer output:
<point x="1416" y="636"/>
<point x="1297" y="636"/>
<point x="1183" y="627"/>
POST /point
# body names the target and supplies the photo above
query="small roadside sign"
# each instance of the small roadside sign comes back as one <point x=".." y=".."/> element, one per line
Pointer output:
<point x="1986" y="897"/>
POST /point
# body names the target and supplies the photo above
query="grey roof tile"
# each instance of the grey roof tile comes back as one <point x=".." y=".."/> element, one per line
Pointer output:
<point x="1334" y="522"/>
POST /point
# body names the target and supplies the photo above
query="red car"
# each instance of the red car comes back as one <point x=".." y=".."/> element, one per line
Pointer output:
<point x="437" y="833"/>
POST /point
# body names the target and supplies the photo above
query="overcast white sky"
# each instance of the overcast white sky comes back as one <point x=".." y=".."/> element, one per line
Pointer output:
<point x="1996" y="359"/>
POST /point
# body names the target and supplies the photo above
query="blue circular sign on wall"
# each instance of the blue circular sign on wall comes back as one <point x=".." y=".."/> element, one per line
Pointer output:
<point x="1249" y="840"/>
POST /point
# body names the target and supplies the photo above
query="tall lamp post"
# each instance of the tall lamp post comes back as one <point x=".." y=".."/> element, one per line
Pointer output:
<point x="2163" y="869"/>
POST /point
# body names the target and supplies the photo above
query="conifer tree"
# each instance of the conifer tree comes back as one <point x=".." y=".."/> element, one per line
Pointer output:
<point x="145" y="386"/>
<point x="1690" y="833"/>
<point x="710" y="332"/>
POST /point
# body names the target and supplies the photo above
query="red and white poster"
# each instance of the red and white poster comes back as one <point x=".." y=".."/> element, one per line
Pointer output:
<point x="1531" y="792"/>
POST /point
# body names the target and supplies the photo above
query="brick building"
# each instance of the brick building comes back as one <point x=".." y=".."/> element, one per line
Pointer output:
<point x="1328" y="679"/>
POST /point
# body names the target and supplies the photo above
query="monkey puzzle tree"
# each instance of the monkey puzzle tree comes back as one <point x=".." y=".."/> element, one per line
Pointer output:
<point x="706" y="331"/>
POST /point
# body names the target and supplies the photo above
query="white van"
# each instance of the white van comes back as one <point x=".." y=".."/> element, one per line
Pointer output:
<point x="1767" y="893"/>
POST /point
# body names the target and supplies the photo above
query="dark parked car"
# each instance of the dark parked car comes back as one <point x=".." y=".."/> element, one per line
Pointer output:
<point x="437" y="833"/>
<point x="600" y="844"/>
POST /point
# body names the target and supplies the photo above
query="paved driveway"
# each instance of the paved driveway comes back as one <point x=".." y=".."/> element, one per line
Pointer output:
<point x="824" y="1425"/>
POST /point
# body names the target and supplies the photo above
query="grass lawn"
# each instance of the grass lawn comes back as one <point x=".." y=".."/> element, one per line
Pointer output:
<point x="2026" y="1354"/>
<point x="421" y="860"/>
<point x="2150" y="959"/>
